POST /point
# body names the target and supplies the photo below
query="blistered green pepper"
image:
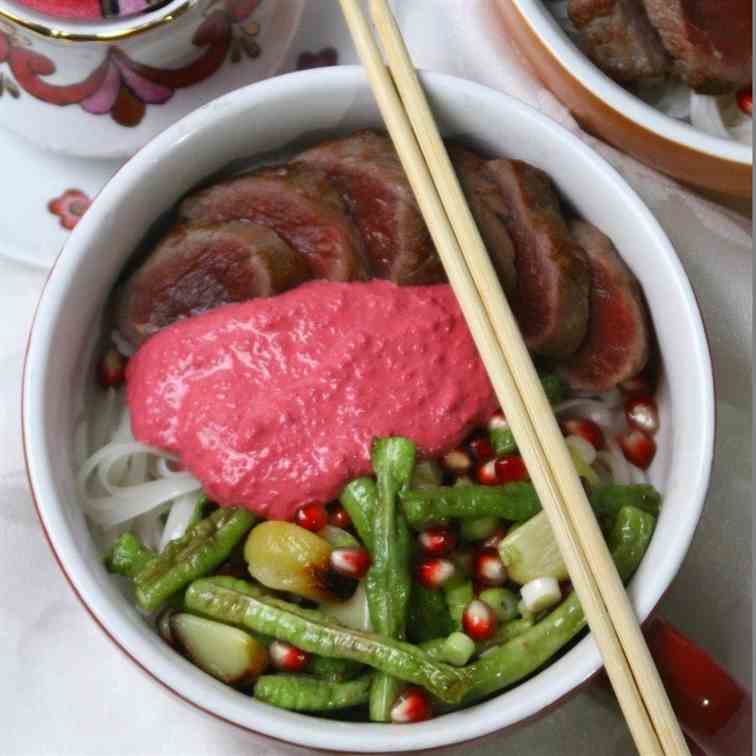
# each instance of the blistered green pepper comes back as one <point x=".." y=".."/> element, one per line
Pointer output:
<point x="514" y="502"/>
<point x="197" y="553"/>
<point x="129" y="556"/>
<point x="317" y="634"/>
<point x="388" y="581"/>
<point x="300" y="693"/>
<point x="360" y="499"/>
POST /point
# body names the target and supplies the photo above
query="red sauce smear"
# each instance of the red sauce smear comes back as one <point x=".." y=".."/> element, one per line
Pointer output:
<point x="276" y="402"/>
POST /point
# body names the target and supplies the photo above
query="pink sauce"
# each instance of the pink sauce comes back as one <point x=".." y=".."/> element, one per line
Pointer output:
<point x="275" y="402"/>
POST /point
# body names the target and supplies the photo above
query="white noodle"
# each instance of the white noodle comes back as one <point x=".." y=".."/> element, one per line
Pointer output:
<point x="108" y="511"/>
<point x="121" y="344"/>
<point x="592" y="409"/>
<point x="615" y="458"/>
<point x="181" y="514"/>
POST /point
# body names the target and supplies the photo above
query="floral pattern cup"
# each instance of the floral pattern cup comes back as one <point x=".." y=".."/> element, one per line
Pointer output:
<point x="104" y="88"/>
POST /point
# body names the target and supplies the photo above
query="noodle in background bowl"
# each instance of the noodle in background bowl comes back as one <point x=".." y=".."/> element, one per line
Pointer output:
<point x="266" y="117"/>
<point x="608" y="110"/>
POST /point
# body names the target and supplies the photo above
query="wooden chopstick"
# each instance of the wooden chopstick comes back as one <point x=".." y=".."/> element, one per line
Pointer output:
<point x="576" y="505"/>
<point x="489" y="345"/>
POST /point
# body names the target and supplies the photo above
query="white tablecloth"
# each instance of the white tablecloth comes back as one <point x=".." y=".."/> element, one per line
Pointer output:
<point x="65" y="689"/>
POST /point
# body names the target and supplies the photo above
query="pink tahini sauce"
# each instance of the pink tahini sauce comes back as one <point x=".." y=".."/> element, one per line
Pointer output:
<point x="275" y="402"/>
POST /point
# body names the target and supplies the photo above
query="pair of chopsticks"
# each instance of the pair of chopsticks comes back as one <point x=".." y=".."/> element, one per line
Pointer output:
<point x="608" y="610"/>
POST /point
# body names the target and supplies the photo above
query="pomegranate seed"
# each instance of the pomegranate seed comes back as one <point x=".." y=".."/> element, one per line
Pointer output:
<point x="482" y="449"/>
<point x="641" y="413"/>
<point x="457" y="461"/>
<point x="288" y="658"/>
<point x="493" y="541"/>
<point x="498" y="422"/>
<point x="479" y="620"/>
<point x="745" y="100"/>
<point x="112" y="369"/>
<point x="339" y="517"/>
<point x="489" y="570"/>
<point x="433" y="573"/>
<point x="510" y="469"/>
<point x="412" y="706"/>
<point x="639" y="448"/>
<point x="585" y="429"/>
<point x="486" y="473"/>
<point x="437" y="541"/>
<point x="353" y="563"/>
<point x="312" y="516"/>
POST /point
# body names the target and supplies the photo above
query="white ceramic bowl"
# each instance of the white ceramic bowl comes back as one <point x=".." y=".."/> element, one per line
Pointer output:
<point x="265" y="117"/>
<point x="612" y="112"/>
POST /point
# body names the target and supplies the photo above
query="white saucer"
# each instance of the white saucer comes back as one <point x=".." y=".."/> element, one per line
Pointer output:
<point x="29" y="231"/>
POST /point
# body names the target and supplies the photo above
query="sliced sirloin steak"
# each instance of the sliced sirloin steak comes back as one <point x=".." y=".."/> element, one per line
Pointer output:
<point x="710" y="41"/>
<point x="196" y="268"/>
<point x="617" y="346"/>
<point x="553" y="273"/>
<point x="367" y="171"/>
<point x="299" y="203"/>
<point x="488" y="208"/>
<point x="619" y="38"/>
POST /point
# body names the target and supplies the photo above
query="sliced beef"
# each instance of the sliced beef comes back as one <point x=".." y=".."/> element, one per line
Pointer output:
<point x="618" y="36"/>
<point x="617" y="346"/>
<point x="198" y="267"/>
<point x="299" y="203"/>
<point x="710" y="40"/>
<point x="553" y="274"/>
<point x="367" y="171"/>
<point x="489" y="210"/>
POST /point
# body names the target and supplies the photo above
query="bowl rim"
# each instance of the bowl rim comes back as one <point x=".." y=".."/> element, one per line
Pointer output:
<point x="181" y="677"/>
<point x="543" y="24"/>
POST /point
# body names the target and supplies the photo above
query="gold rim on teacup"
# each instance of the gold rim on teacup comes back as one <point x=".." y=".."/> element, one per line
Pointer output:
<point x="122" y="29"/>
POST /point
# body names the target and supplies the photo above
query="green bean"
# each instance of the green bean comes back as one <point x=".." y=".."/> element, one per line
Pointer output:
<point x="317" y="634"/>
<point x="334" y="670"/>
<point x="194" y="555"/>
<point x="388" y="581"/>
<point x="505" y="632"/>
<point x="552" y="386"/>
<point x="478" y="529"/>
<point x="607" y="501"/>
<point x="129" y="556"/>
<point x="502" y="440"/>
<point x="360" y="499"/>
<point x="629" y="539"/>
<point x="428" y="615"/>
<point x="300" y="693"/>
<point x="437" y="648"/>
<point x="514" y="502"/>
<point x="459" y="593"/>
<point x="525" y="654"/>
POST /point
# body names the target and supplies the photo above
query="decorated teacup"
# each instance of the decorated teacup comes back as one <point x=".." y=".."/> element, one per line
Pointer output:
<point x="100" y="78"/>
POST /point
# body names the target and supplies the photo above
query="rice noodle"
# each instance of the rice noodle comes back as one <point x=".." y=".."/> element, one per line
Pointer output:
<point x="592" y="409"/>
<point x="116" y="482"/>
<point x="721" y="117"/>
<point x="181" y="514"/>
<point x="616" y="461"/>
